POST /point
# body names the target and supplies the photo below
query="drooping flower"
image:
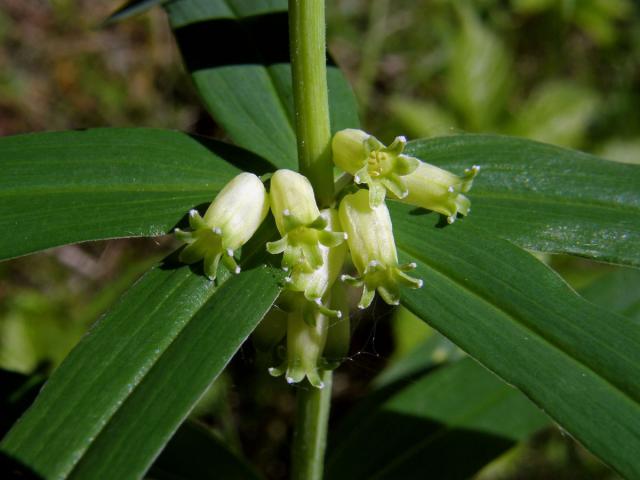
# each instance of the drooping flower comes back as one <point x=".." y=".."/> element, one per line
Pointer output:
<point x="229" y="222"/>
<point x="305" y="344"/>
<point x="314" y="285"/>
<point x="439" y="190"/>
<point x="373" y="250"/>
<point x="382" y="168"/>
<point x="299" y="222"/>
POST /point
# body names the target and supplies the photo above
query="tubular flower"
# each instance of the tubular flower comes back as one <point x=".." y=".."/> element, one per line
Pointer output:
<point x="373" y="250"/>
<point x="304" y="349"/>
<point x="299" y="222"/>
<point x="229" y="222"/>
<point x="436" y="189"/>
<point x="382" y="168"/>
<point x="314" y="285"/>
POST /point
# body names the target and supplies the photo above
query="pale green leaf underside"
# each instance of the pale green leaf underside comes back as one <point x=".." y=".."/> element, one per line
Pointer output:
<point x="238" y="55"/>
<point x="118" y="397"/>
<point x="577" y="361"/>
<point x="546" y="198"/>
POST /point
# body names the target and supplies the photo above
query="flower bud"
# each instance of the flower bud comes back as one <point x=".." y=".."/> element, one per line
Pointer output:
<point x="439" y="190"/>
<point x="292" y="201"/>
<point x="299" y="222"/>
<point x="304" y="346"/>
<point x="373" y="250"/>
<point x="229" y="222"/>
<point x="382" y="168"/>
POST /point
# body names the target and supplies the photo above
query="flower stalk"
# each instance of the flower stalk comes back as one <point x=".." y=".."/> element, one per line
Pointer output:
<point x="311" y="104"/>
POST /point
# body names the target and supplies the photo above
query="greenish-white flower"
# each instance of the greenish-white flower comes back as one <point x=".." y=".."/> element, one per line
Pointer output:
<point x="229" y="222"/>
<point x="439" y="190"/>
<point x="305" y="343"/>
<point x="373" y="250"/>
<point x="315" y="284"/>
<point x="372" y="163"/>
<point x="304" y="231"/>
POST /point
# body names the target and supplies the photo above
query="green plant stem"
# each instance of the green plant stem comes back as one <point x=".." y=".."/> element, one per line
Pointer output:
<point x="311" y="102"/>
<point x="310" y="436"/>
<point x="310" y="93"/>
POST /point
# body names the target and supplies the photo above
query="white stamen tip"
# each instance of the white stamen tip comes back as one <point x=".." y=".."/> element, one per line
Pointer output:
<point x="286" y="212"/>
<point x="339" y="314"/>
<point x="345" y="235"/>
<point x="230" y="252"/>
<point x="476" y="168"/>
<point x="318" y="302"/>
<point x="356" y="179"/>
<point x="343" y="277"/>
<point x="193" y="212"/>
<point x="290" y="380"/>
<point x="450" y="189"/>
<point x="217" y="230"/>
<point x="321" y="385"/>
<point x="287" y="280"/>
<point x="469" y="210"/>
<point x="451" y="219"/>
<point x="285" y="269"/>
<point x="402" y="139"/>
<point x="413" y="265"/>
<point x="420" y="283"/>
<point x="373" y="263"/>
<point x="237" y="270"/>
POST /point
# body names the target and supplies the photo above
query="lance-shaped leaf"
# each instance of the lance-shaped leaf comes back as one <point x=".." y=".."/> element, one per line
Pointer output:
<point x="113" y="404"/>
<point x="546" y="198"/>
<point x="578" y="362"/>
<point x="238" y="54"/>
<point x="430" y="424"/>
<point x="67" y="187"/>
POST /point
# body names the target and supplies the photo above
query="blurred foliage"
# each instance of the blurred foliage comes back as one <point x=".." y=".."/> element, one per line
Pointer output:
<point x="560" y="71"/>
<point x="564" y="72"/>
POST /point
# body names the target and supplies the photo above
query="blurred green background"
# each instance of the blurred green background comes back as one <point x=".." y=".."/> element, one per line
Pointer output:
<point x="560" y="71"/>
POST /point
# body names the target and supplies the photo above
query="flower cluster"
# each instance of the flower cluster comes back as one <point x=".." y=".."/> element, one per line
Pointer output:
<point x="308" y="329"/>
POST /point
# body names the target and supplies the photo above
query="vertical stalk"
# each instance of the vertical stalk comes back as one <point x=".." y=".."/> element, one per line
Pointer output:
<point x="310" y="436"/>
<point x="311" y="102"/>
<point x="310" y="94"/>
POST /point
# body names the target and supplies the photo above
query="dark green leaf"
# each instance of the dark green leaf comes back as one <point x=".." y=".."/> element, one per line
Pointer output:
<point x="116" y="400"/>
<point x="546" y="198"/>
<point x="66" y="187"/>
<point x="238" y="55"/>
<point x="449" y="423"/>
<point x="194" y="453"/>
<point x="578" y="362"/>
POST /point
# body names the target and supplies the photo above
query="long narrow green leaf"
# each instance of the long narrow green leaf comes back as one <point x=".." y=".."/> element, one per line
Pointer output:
<point x="66" y="187"/>
<point x="449" y="423"/>
<point x="238" y="55"/>
<point x="546" y="198"/>
<point x="578" y="362"/>
<point x="121" y="393"/>
<point x="196" y="454"/>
